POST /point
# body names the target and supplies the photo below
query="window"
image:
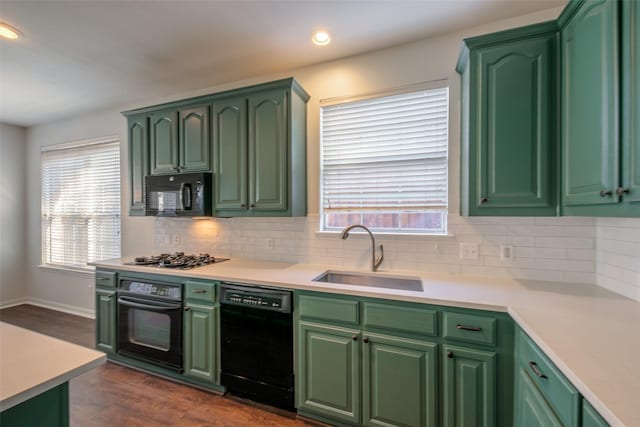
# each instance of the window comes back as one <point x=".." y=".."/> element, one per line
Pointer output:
<point x="384" y="162"/>
<point x="80" y="202"/>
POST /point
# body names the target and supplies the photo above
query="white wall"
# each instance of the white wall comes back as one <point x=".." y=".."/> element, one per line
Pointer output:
<point x="73" y="291"/>
<point x="560" y="249"/>
<point x="13" y="283"/>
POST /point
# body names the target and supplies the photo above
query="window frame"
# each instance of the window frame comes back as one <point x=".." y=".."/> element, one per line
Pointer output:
<point x="79" y="144"/>
<point x="425" y="86"/>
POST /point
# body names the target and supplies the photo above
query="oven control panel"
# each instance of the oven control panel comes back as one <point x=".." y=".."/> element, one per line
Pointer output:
<point x="260" y="298"/>
<point x="151" y="289"/>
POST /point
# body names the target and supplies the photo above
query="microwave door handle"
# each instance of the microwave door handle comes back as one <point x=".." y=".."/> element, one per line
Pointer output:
<point x="162" y="307"/>
<point x="186" y="196"/>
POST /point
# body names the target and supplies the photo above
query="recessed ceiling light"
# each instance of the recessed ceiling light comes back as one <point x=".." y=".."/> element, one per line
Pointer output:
<point x="8" y="32"/>
<point x="321" y="38"/>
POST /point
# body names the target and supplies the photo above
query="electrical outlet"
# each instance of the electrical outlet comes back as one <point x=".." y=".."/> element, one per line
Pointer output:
<point x="176" y="240"/>
<point x="506" y="252"/>
<point x="270" y="243"/>
<point x="469" y="251"/>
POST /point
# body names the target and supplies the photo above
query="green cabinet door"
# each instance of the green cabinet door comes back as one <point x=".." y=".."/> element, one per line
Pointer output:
<point x="106" y="320"/>
<point x="630" y="186"/>
<point x="329" y="372"/>
<point x="399" y="382"/>
<point x="591" y="417"/>
<point x="194" y="139"/>
<point x="268" y="151"/>
<point x="590" y="119"/>
<point x="531" y="408"/>
<point x="138" y="136"/>
<point x="516" y="128"/>
<point x="230" y="154"/>
<point x="200" y="342"/>
<point x="469" y="387"/>
<point x="164" y="142"/>
<point x="509" y="144"/>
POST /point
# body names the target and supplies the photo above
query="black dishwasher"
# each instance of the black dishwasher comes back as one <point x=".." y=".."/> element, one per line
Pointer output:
<point x="256" y="334"/>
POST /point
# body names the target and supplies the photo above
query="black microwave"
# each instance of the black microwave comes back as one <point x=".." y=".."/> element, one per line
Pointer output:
<point x="182" y="195"/>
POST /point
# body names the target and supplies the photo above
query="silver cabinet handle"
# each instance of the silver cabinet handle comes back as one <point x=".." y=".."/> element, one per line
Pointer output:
<point x="620" y="191"/>
<point x="536" y="371"/>
<point x="198" y="291"/>
<point x="605" y="193"/>
<point x="469" y="328"/>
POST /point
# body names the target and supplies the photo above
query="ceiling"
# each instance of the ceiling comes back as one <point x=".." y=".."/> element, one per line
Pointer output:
<point x="84" y="55"/>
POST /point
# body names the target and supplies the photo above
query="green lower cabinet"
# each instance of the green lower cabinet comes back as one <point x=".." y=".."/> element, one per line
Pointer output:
<point x="199" y="342"/>
<point x="48" y="409"/>
<point x="106" y="320"/>
<point x="590" y="417"/>
<point x="329" y="375"/>
<point x="469" y="387"/>
<point x="532" y="410"/>
<point x="399" y="382"/>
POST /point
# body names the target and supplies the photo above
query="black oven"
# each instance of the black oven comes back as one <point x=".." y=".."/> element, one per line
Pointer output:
<point x="150" y="322"/>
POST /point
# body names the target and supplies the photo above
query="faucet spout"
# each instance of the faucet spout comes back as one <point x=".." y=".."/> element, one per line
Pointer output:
<point x="375" y="261"/>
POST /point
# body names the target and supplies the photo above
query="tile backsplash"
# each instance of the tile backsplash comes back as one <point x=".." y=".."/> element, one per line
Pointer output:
<point x="618" y="255"/>
<point x="564" y="249"/>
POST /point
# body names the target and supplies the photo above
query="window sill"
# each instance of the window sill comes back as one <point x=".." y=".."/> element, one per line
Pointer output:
<point x="76" y="271"/>
<point x="386" y="234"/>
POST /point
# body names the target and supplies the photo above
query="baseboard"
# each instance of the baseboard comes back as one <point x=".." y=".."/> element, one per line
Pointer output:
<point x="65" y="308"/>
<point x="13" y="302"/>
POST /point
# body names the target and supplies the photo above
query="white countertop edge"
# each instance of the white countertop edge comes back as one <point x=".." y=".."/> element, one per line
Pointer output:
<point x="27" y="394"/>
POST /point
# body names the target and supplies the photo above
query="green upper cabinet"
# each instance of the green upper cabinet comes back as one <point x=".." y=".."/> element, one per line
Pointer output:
<point x="138" y="136"/>
<point x="259" y="141"/>
<point x="194" y="141"/>
<point x="164" y="142"/>
<point x="509" y="122"/>
<point x="180" y="140"/>
<point x="590" y="122"/>
<point x="254" y="140"/>
<point x="230" y="183"/>
<point x="630" y="186"/>
<point x="600" y="108"/>
<point x="268" y="151"/>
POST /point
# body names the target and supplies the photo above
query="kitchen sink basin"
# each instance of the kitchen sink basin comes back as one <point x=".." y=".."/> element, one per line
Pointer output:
<point x="374" y="280"/>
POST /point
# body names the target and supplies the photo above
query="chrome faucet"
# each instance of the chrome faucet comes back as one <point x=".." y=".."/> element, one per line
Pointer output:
<point x="375" y="262"/>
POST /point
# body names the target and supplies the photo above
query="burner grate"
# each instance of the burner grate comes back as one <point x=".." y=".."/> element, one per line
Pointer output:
<point x="177" y="260"/>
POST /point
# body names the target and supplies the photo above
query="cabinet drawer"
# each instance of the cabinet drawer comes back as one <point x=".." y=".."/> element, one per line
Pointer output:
<point x="106" y="279"/>
<point x="332" y="309"/>
<point x="556" y="389"/>
<point x="200" y="291"/>
<point x="401" y="319"/>
<point x="470" y="328"/>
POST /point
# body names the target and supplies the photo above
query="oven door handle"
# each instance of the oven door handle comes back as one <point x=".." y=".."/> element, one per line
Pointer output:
<point x="158" y="306"/>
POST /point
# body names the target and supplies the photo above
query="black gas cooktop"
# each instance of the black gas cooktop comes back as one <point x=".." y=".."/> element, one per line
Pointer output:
<point x="176" y="260"/>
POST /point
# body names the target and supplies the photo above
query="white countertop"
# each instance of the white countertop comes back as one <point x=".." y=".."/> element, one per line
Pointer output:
<point x="32" y="363"/>
<point x="591" y="334"/>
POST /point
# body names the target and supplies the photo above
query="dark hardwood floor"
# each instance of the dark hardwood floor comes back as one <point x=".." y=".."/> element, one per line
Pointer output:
<point x="114" y="395"/>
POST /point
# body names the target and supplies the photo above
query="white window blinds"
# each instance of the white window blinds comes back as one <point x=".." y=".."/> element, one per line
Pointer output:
<point x="386" y="154"/>
<point x="80" y="203"/>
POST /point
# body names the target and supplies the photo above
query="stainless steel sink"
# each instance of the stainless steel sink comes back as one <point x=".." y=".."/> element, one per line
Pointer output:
<point x="374" y="280"/>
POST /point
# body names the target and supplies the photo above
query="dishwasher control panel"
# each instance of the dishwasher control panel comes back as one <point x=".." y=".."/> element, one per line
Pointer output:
<point x="252" y="296"/>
